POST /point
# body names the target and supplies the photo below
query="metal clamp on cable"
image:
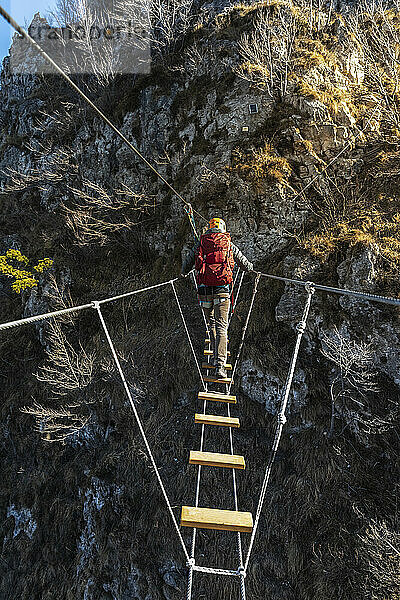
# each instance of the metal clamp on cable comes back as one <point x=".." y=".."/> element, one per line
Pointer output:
<point x="282" y="418"/>
<point x="242" y="572"/>
<point x="96" y="304"/>
<point x="301" y="327"/>
<point x="309" y="287"/>
<point x="190" y="563"/>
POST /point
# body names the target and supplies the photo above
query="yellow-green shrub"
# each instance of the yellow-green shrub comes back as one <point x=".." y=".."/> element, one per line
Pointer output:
<point x="22" y="279"/>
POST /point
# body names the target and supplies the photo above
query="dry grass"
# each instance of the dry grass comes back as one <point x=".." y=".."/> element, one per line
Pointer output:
<point x="260" y="166"/>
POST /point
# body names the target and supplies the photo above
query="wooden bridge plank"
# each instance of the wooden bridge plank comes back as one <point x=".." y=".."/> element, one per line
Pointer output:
<point x="205" y="365"/>
<point x="203" y="419"/>
<point x="213" y="518"/>
<point x="214" y="459"/>
<point x="211" y="379"/>
<point x="215" y="397"/>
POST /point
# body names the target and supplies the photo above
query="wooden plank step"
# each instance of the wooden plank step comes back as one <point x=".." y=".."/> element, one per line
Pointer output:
<point x="210" y="366"/>
<point x="215" y="397"/>
<point x="213" y="459"/>
<point x="210" y="353"/>
<point x="216" y="420"/>
<point x="214" y="518"/>
<point x="208" y="341"/>
<point x="215" y="380"/>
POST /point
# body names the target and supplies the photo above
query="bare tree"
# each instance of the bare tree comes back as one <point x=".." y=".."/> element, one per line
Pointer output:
<point x="56" y="425"/>
<point x="268" y="53"/>
<point x="352" y="378"/>
<point x="165" y="22"/>
<point x="96" y="213"/>
<point x="374" y="28"/>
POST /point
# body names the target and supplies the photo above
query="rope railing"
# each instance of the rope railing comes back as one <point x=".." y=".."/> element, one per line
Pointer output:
<point x="188" y="337"/>
<point x="73" y="309"/>
<point x="281" y="417"/>
<point x="336" y="290"/>
<point x="324" y="288"/>
<point x="239" y="352"/>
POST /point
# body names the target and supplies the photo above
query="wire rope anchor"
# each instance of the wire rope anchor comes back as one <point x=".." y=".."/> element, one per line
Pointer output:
<point x="281" y="419"/>
<point x="191" y="563"/>
<point x="242" y="572"/>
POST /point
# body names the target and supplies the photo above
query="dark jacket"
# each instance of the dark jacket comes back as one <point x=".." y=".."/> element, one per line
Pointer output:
<point x="188" y="262"/>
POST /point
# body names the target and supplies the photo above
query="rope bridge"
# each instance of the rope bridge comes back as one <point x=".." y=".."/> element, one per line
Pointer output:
<point x="196" y="517"/>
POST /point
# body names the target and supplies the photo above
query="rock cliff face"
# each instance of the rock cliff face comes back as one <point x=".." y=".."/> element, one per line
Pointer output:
<point x="84" y="518"/>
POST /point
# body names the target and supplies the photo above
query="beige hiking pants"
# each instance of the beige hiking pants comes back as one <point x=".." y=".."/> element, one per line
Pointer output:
<point x="217" y="318"/>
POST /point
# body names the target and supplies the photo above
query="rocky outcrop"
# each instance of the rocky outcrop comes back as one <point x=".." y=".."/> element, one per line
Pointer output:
<point x="93" y="504"/>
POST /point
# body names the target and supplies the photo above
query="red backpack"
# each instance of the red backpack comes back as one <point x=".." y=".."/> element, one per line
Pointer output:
<point x="214" y="261"/>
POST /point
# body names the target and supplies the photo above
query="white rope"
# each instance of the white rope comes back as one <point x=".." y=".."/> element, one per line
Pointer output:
<point x="317" y="286"/>
<point x="281" y="417"/>
<point x="335" y="290"/>
<point x="257" y="279"/>
<point x="65" y="311"/>
<point x="188" y="336"/>
<point x="236" y="298"/>
<point x="96" y="305"/>
<point x="202" y="311"/>
<point x="193" y="547"/>
<point x="239" y="537"/>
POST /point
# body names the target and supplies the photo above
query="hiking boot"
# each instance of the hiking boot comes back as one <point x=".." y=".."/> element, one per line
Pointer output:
<point x="221" y="373"/>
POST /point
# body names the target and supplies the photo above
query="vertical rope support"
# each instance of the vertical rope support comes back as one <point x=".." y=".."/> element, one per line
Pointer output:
<point x="193" y="547"/>
<point x="239" y="537"/>
<point x="96" y="305"/>
<point x="189" y="338"/>
<point x="257" y="279"/>
<point x="281" y="415"/>
<point x="236" y="297"/>
<point x="202" y="312"/>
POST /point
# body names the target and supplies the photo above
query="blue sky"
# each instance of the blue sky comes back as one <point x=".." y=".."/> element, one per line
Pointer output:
<point x="20" y="10"/>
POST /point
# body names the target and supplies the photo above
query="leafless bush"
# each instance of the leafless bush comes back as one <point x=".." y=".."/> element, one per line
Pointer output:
<point x="95" y="59"/>
<point x="380" y="553"/>
<point x="374" y="28"/>
<point x="96" y="213"/>
<point x="65" y="370"/>
<point x="56" y="425"/>
<point x="52" y="169"/>
<point x="66" y="373"/>
<point x="353" y="376"/>
<point x="166" y="21"/>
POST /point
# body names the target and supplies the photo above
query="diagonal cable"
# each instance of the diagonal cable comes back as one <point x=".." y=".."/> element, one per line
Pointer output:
<point x="281" y="417"/>
<point x="257" y="279"/>
<point x="188" y="336"/>
<point x="142" y="431"/>
<point x="77" y="89"/>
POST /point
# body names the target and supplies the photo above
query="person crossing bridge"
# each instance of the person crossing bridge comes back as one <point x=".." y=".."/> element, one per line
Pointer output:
<point x="214" y="258"/>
